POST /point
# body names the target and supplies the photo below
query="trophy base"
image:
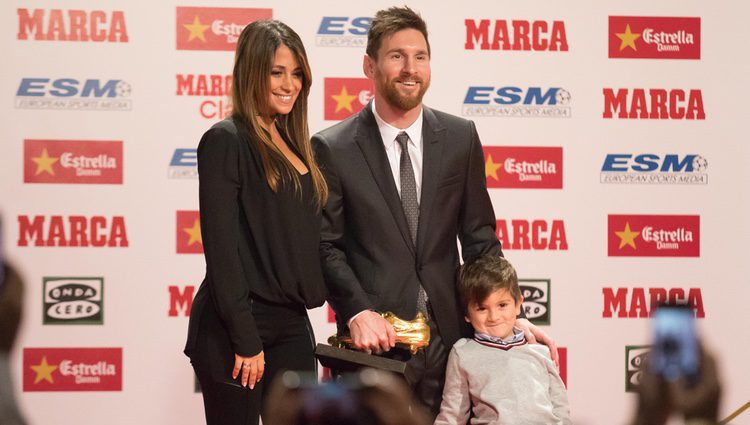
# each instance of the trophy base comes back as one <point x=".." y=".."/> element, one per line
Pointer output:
<point x="345" y="360"/>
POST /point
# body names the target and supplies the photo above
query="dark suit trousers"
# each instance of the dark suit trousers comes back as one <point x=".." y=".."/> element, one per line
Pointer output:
<point x="288" y="344"/>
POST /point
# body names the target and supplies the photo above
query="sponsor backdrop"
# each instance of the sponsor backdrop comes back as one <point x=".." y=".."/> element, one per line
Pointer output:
<point x="614" y="160"/>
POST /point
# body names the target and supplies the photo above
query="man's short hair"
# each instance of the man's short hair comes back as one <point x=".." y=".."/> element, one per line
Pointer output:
<point x="388" y="22"/>
<point x="484" y="275"/>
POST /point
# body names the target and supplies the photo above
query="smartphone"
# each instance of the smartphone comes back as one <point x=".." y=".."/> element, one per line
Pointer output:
<point x="675" y="352"/>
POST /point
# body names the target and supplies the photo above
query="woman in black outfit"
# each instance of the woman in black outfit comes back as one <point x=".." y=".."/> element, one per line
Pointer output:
<point x="260" y="200"/>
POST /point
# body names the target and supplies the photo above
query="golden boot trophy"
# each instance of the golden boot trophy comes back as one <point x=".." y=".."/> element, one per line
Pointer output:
<point x="410" y="334"/>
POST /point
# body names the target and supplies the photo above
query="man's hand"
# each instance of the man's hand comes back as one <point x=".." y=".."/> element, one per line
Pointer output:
<point x="371" y="333"/>
<point x="534" y="335"/>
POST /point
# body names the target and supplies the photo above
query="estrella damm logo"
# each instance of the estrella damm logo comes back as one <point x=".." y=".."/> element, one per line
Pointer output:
<point x="644" y="37"/>
<point x="214" y="28"/>
<point x="346" y="96"/>
<point x="653" y="235"/>
<point x="72" y="369"/>
<point x="343" y="31"/>
<point x="523" y="167"/>
<point x="73" y="300"/>
<point x="189" y="238"/>
<point x="72" y="161"/>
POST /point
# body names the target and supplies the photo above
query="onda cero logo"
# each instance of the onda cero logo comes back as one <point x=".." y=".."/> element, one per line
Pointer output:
<point x="635" y="358"/>
<point x="73" y="300"/>
<point x="536" y="300"/>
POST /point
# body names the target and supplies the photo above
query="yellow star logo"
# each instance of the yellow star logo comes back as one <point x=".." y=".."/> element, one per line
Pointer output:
<point x="343" y="100"/>
<point x="44" y="163"/>
<point x="627" y="236"/>
<point x="43" y="371"/>
<point x="194" y="232"/>
<point x="491" y="167"/>
<point x="196" y="29"/>
<point x="628" y="38"/>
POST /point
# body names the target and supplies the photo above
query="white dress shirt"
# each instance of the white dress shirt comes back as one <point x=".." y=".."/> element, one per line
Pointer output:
<point x="393" y="149"/>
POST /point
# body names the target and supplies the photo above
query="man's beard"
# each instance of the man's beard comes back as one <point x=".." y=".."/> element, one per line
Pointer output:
<point x="396" y="99"/>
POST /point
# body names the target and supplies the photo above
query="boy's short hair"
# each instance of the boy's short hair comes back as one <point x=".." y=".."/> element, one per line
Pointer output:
<point x="390" y="21"/>
<point x="484" y="275"/>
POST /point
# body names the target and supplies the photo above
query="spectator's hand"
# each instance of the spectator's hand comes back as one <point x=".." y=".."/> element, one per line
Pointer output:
<point x="700" y="400"/>
<point x="252" y="369"/>
<point x="371" y="333"/>
<point x="534" y="335"/>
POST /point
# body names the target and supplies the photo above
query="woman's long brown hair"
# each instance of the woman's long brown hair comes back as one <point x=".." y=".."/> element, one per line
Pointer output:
<point x="253" y="62"/>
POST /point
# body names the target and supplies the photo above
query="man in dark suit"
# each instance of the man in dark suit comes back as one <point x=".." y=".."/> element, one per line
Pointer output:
<point x="404" y="181"/>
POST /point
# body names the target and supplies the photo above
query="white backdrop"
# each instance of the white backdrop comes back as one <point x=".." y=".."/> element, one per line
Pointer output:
<point x="153" y="117"/>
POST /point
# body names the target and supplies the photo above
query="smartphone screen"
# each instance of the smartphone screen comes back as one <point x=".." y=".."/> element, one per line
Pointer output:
<point x="675" y="351"/>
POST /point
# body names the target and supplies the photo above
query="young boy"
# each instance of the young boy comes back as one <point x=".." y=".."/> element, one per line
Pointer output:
<point x="496" y="376"/>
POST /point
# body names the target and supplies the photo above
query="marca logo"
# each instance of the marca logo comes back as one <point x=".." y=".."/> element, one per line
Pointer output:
<point x="518" y="35"/>
<point x="634" y="303"/>
<point x="529" y="102"/>
<point x="635" y="357"/>
<point x="72" y="25"/>
<point x="523" y="167"/>
<point x="189" y="238"/>
<point x="72" y="231"/>
<point x="562" y="353"/>
<point x="214" y="28"/>
<point x="536" y="300"/>
<point x="184" y="164"/>
<point x="654" y="236"/>
<point x="69" y="93"/>
<point x="73" y="300"/>
<point x="651" y="168"/>
<point x="346" y="96"/>
<point x="654" y="37"/>
<point x="72" y="369"/>
<point x="532" y="235"/>
<point x="655" y="104"/>
<point x="72" y="161"/>
<point x="215" y="89"/>
<point x="180" y="300"/>
<point x="343" y="31"/>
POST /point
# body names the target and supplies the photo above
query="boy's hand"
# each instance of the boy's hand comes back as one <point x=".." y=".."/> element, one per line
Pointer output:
<point x="534" y="335"/>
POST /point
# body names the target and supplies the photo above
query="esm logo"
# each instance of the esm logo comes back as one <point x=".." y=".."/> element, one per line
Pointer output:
<point x="534" y="102"/>
<point x="343" y="31"/>
<point x="184" y="164"/>
<point x="70" y="93"/>
<point x="651" y="168"/>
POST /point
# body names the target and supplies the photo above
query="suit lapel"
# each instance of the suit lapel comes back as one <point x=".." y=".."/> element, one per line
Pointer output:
<point x="371" y="144"/>
<point x="433" y="140"/>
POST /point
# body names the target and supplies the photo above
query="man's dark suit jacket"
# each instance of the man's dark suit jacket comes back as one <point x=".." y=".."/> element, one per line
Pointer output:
<point x="369" y="260"/>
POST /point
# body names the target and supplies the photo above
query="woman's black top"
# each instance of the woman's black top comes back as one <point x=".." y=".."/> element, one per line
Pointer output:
<point x="258" y="244"/>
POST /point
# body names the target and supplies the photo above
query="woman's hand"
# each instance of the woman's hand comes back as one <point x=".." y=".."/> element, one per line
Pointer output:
<point x="252" y="369"/>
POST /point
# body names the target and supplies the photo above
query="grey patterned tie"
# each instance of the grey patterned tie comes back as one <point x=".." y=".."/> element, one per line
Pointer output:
<point x="410" y="204"/>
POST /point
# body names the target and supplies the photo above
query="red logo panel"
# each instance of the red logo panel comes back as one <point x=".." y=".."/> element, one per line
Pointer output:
<point x="72" y="161"/>
<point x="563" y="353"/>
<point x="214" y="28"/>
<point x="72" y="369"/>
<point x="523" y="167"/>
<point x="654" y="236"/>
<point x="189" y="238"/>
<point x="654" y="37"/>
<point x="346" y="96"/>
